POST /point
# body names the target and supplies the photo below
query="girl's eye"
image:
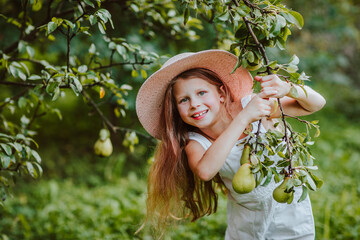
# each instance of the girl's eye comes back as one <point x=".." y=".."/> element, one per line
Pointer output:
<point x="183" y="100"/>
<point x="201" y="93"/>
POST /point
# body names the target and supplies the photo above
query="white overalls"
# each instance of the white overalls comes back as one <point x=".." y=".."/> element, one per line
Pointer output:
<point x="256" y="215"/>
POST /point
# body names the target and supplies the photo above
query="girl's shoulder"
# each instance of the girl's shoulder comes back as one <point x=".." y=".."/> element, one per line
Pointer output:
<point x="201" y="139"/>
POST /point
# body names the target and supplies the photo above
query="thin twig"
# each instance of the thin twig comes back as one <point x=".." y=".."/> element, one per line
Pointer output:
<point x="68" y="50"/>
<point x="25" y="60"/>
<point x="113" y="128"/>
<point x="97" y="109"/>
<point x="23" y="84"/>
<point x="35" y="115"/>
<point x="22" y="93"/>
<point x="263" y="53"/>
<point x="287" y="139"/>
<point x="299" y="119"/>
<point x="23" y="25"/>
<point x="120" y="64"/>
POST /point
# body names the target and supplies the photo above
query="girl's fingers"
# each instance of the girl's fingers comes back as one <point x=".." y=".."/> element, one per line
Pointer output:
<point x="257" y="78"/>
<point x="268" y="93"/>
<point x="268" y="78"/>
<point x="264" y="78"/>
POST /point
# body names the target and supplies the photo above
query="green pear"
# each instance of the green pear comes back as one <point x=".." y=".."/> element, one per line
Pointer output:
<point x="279" y="193"/>
<point x="103" y="148"/>
<point x="244" y="180"/>
<point x="245" y="154"/>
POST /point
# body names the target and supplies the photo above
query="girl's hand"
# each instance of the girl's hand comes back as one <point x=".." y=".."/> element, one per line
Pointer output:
<point x="273" y="87"/>
<point x="258" y="107"/>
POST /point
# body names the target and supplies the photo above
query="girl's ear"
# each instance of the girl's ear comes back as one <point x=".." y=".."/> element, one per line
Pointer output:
<point x="222" y="99"/>
<point x="222" y="94"/>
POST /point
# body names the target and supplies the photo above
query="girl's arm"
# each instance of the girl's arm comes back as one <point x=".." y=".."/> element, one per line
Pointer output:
<point x="304" y="104"/>
<point x="206" y="164"/>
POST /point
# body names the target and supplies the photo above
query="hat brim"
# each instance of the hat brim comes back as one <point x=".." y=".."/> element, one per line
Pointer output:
<point x="150" y="97"/>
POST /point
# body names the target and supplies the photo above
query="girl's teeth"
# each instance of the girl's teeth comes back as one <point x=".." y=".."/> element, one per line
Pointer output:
<point x="197" y="115"/>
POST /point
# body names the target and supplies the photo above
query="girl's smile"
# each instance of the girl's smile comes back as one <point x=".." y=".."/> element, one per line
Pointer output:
<point x="200" y="115"/>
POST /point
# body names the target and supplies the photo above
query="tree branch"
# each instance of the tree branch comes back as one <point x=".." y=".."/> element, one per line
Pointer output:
<point x="68" y="38"/>
<point x="120" y="64"/>
<point x="26" y="60"/>
<point x="113" y="128"/>
<point x="23" y="25"/>
<point x="287" y="139"/>
<point x="34" y="115"/>
<point x="23" y="84"/>
<point x="97" y="109"/>
<point x="22" y="93"/>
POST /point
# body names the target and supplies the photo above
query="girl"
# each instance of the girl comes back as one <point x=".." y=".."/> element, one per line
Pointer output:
<point x="199" y="111"/>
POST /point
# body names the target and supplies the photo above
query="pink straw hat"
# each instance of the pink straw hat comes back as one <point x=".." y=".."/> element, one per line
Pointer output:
<point x="150" y="97"/>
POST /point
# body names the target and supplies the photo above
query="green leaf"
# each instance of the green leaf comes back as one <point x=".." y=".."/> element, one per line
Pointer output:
<point x="6" y="136"/>
<point x="30" y="51"/>
<point x="299" y="19"/>
<point x="294" y="60"/>
<point x="56" y="94"/>
<point x="304" y="194"/>
<point x="312" y="167"/>
<point x="20" y="136"/>
<point x="22" y="102"/>
<point x="92" y="49"/>
<point x="36" y="156"/>
<point x="5" y="160"/>
<point x="281" y="154"/>
<point x="224" y="16"/>
<point x="122" y="51"/>
<point x="186" y="15"/>
<point x="51" y="27"/>
<point x="6" y="148"/>
<point x="101" y="27"/>
<point x="276" y="175"/>
<point x="50" y="88"/>
<point x="318" y="181"/>
<point x="34" y="77"/>
<point x="57" y="112"/>
<point x="77" y="84"/>
<point x="18" y="147"/>
<point x="92" y="19"/>
<point x="82" y="69"/>
<point x="292" y="68"/>
<point x="317" y="134"/>
<point x="22" y="75"/>
<point x="88" y="2"/>
<point x="134" y="73"/>
<point x="36" y="5"/>
<point x="70" y="24"/>
<point x="237" y="65"/>
<point x="143" y="73"/>
<point x="279" y="23"/>
<point x="250" y="56"/>
<point x="31" y="169"/>
<point x="268" y="179"/>
<point x="310" y="182"/>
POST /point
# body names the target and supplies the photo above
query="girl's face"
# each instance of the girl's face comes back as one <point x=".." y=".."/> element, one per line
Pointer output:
<point x="199" y="102"/>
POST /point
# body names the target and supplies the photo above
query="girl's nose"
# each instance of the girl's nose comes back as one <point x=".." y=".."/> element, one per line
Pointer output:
<point x="195" y="103"/>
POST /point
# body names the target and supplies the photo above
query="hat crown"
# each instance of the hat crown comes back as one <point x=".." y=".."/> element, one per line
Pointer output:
<point x="176" y="58"/>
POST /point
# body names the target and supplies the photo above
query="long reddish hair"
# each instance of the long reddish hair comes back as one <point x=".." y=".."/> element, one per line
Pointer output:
<point x="174" y="192"/>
